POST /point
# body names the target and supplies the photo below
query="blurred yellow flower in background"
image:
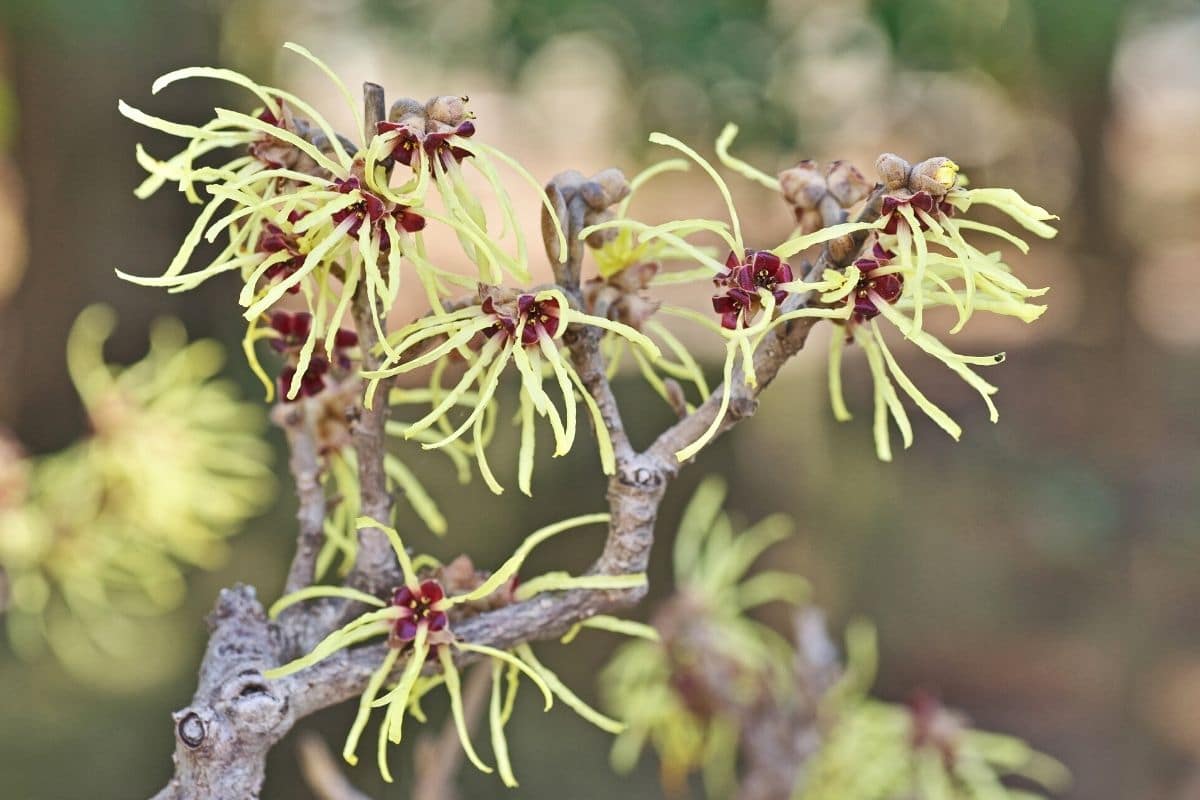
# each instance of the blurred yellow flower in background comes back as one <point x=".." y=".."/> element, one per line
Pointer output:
<point x="96" y="538"/>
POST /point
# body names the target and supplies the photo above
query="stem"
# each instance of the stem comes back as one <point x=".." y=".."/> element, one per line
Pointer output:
<point x="438" y="758"/>
<point x="305" y="464"/>
<point x="375" y="566"/>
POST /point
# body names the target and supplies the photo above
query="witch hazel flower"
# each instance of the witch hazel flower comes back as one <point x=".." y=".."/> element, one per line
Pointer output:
<point x="293" y="331"/>
<point x="434" y="140"/>
<point x="875" y="283"/>
<point x="753" y="286"/>
<point x="370" y="209"/>
<point x="917" y="257"/>
<point x="923" y="223"/>
<point x="522" y="329"/>
<point x="416" y="622"/>
<point x="916" y="749"/>
<point x="102" y="533"/>
<point x="274" y="239"/>
<point x="425" y="133"/>
<point x="920" y="258"/>
<point x="743" y="280"/>
<point x="672" y="689"/>
<point x="300" y="212"/>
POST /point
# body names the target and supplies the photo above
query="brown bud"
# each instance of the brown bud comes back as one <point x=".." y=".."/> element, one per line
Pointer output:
<point x="846" y="183"/>
<point x="808" y="220"/>
<point x="594" y="195"/>
<point x="613" y="188"/>
<point x="802" y="185"/>
<point x="447" y="109"/>
<point x="636" y="278"/>
<point x="635" y="309"/>
<point x="405" y="108"/>
<point x="893" y="171"/>
<point x="599" y="238"/>
<point x="935" y="175"/>
<point x="596" y="292"/>
<point x="556" y="191"/>
<point x="830" y="210"/>
<point x="843" y="248"/>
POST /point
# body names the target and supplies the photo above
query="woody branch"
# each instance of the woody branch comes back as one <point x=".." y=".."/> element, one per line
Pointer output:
<point x="236" y="716"/>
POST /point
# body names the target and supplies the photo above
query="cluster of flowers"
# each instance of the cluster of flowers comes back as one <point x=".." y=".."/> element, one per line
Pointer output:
<point x="417" y="623"/>
<point x="915" y="749"/>
<point x="96" y="538"/>
<point x="693" y="693"/>
<point x="685" y="693"/>
<point x="913" y="256"/>
<point x="304" y="211"/>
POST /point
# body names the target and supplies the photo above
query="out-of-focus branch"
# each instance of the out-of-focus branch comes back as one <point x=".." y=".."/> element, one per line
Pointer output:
<point x="321" y="771"/>
<point x="439" y="757"/>
<point x="779" y="739"/>
<point x="305" y="464"/>
<point x="375" y="566"/>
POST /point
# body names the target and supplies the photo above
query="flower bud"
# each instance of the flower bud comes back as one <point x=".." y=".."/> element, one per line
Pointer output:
<point x="808" y="220"/>
<point x="935" y="175"/>
<point x="448" y="109"/>
<point x="893" y="170"/>
<point x="802" y="185"/>
<point x="846" y="183"/>
<point x="405" y="108"/>
<point x="597" y="239"/>
<point x="605" y="188"/>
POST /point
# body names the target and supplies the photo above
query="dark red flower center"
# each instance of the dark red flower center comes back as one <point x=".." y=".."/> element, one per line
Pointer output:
<point x="873" y="282"/>
<point x="294" y="330"/>
<point x="372" y="209"/>
<point x="540" y="317"/>
<point x="418" y="606"/>
<point x="275" y="239"/>
<point x="741" y="281"/>
<point x="921" y="201"/>
<point x="934" y="726"/>
<point x="410" y="143"/>
<point x="266" y="147"/>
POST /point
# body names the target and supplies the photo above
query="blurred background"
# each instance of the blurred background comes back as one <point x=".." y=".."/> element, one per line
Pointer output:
<point x="1043" y="575"/>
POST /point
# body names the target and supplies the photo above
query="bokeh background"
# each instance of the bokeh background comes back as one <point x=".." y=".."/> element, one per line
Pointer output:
<point x="1043" y="575"/>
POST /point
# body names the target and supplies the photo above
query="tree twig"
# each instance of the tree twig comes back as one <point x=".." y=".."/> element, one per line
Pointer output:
<point x="321" y="771"/>
<point x="439" y="757"/>
<point x="304" y="462"/>
<point x="375" y="566"/>
<point x="566" y="195"/>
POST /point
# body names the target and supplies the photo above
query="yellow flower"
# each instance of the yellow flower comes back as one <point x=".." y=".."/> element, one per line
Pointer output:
<point x="916" y="257"/>
<point x="174" y="465"/>
<point x="306" y="211"/>
<point x="919" y="749"/>
<point x="523" y="329"/>
<point x="417" y="618"/>
<point x="658" y="688"/>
